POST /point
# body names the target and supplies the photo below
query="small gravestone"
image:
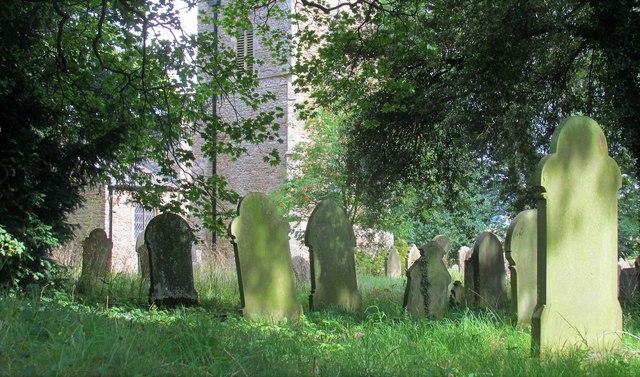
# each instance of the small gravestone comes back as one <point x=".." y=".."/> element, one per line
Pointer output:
<point x="168" y="239"/>
<point x="484" y="276"/>
<point x="427" y="290"/>
<point x="143" y="263"/>
<point x="521" y="248"/>
<point x="260" y="239"/>
<point x="464" y="253"/>
<point x="577" y="242"/>
<point x="629" y="289"/>
<point x="331" y="243"/>
<point x="413" y="256"/>
<point x="444" y="242"/>
<point x="393" y="265"/>
<point x="96" y="262"/>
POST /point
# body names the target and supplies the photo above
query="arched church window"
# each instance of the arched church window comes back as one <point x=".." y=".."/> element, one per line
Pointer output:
<point x="244" y="49"/>
<point x="141" y="218"/>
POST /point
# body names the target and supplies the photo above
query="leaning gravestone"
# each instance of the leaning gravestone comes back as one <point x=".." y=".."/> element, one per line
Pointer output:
<point x="96" y="262"/>
<point x="392" y="264"/>
<point x="168" y="239"/>
<point x="577" y="242"/>
<point x="444" y="242"/>
<point x="260" y="239"/>
<point x="413" y="256"/>
<point x="484" y="276"/>
<point x="143" y="263"/>
<point x="331" y="243"/>
<point x="427" y="290"/>
<point x="521" y="248"/>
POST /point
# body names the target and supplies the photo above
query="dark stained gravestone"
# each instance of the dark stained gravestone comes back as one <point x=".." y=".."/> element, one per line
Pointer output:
<point x="169" y="238"/>
<point x="392" y="264"/>
<point x="96" y="262"/>
<point x="427" y="290"/>
<point x="629" y="288"/>
<point x="577" y="242"/>
<point x="484" y="276"/>
<point x="521" y="248"/>
<point x="331" y="243"/>
<point x="260" y="239"/>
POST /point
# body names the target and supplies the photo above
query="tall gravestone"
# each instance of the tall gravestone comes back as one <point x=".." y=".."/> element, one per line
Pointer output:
<point x="521" y="248"/>
<point x="444" y="242"/>
<point x="484" y="276"/>
<point x="427" y="290"/>
<point x="413" y="256"/>
<point x="143" y="263"/>
<point x="464" y="253"/>
<point x="392" y="264"/>
<point x="96" y="262"/>
<point x="260" y="239"/>
<point x="331" y="243"/>
<point x="577" y="242"/>
<point x="169" y="239"/>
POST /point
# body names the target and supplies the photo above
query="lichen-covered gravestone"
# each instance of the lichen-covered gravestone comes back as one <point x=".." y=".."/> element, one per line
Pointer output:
<point x="521" y="248"/>
<point x="143" y="263"/>
<point x="577" y="242"/>
<point x="169" y="238"/>
<point x="260" y="239"/>
<point x="331" y="243"/>
<point x="444" y="242"/>
<point x="413" y="256"/>
<point x="427" y="290"/>
<point x="96" y="262"/>
<point x="484" y="276"/>
<point x="392" y="264"/>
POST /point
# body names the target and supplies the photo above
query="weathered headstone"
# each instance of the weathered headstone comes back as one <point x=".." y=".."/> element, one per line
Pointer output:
<point x="260" y="239"/>
<point x="629" y="287"/>
<point x="484" y="276"/>
<point x="521" y="248"/>
<point x="331" y="243"/>
<point x="96" y="262"/>
<point x="445" y="244"/>
<point x="169" y="239"/>
<point x="464" y="253"/>
<point x="392" y="264"/>
<point x="413" y="256"/>
<point x="427" y="290"/>
<point x="143" y="263"/>
<point x="577" y="242"/>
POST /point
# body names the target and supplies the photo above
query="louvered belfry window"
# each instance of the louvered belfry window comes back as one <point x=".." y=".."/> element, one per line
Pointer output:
<point x="244" y="49"/>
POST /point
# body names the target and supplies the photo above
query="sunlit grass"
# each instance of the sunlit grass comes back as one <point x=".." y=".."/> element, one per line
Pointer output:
<point x="62" y="334"/>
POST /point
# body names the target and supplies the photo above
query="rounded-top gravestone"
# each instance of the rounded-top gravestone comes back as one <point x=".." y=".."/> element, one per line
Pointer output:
<point x="169" y="238"/>
<point x="96" y="261"/>
<point x="521" y="249"/>
<point x="485" y="277"/>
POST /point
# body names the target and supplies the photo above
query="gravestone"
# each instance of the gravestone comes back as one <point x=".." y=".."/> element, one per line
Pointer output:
<point x="521" y="248"/>
<point x="331" y="243"/>
<point x="393" y="265"/>
<point x="484" y="276"/>
<point x="96" y="262"/>
<point x="427" y="290"/>
<point x="143" y="263"/>
<point x="629" y="289"/>
<point x="577" y="242"/>
<point x="260" y="238"/>
<point x="412" y="256"/>
<point x="169" y="239"/>
<point x="464" y="253"/>
<point x="445" y="244"/>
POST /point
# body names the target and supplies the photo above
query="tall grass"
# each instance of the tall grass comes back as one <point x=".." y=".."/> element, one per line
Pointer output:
<point x="117" y="333"/>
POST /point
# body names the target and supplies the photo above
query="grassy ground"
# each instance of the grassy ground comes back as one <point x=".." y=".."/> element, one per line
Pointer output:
<point x="61" y="334"/>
